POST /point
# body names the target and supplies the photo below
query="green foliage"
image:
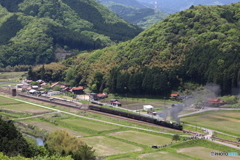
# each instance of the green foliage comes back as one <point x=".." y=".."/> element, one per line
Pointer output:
<point x="61" y="142"/>
<point x="206" y="144"/>
<point x="12" y="141"/>
<point x="142" y="17"/>
<point x="33" y="30"/>
<point x="230" y="99"/>
<point x="198" y="46"/>
<point x="176" y="137"/>
<point x="9" y="29"/>
<point x="52" y="72"/>
<point x="3" y="157"/>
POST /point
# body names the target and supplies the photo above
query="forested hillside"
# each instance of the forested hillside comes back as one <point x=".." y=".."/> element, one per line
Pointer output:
<point x="32" y="30"/>
<point x="130" y="3"/>
<point x="199" y="45"/>
<point x="135" y="14"/>
<point x="173" y="6"/>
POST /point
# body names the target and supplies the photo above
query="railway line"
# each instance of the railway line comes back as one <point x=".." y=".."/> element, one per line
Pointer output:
<point x="75" y="105"/>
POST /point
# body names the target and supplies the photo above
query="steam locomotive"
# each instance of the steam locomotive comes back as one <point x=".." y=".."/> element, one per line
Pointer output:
<point x="111" y="111"/>
<point x="137" y="117"/>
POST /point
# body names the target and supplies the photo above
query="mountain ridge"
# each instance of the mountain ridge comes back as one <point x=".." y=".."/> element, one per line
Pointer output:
<point x="40" y="26"/>
<point x="189" y="46"/>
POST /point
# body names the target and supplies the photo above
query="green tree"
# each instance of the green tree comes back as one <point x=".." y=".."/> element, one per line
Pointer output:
<point x="30" y="73"/>
<point x="43" y="73"/>
<point x="12" y="141"/>
<point x="176" y="137"/>
<point x="61" y="142"/>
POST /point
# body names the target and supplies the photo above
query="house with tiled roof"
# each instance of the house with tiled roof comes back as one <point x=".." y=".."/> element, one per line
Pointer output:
<point x="77" y="90"/>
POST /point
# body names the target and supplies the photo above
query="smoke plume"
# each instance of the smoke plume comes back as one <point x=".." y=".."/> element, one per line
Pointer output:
<point x="176" y="108"/>
<point x="209" y="91"/>
<point x="163" y="114"/>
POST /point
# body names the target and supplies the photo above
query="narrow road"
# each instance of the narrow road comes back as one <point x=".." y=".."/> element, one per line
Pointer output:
<point x="210" y="133"/>
<point x="207" y="109"/>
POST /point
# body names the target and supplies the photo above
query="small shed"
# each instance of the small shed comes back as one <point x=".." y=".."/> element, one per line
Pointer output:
<point x="147" y="107"/>
<point x="33" y="91"/>
<point x="35" y="87"/>
<point x="116" y="103"/>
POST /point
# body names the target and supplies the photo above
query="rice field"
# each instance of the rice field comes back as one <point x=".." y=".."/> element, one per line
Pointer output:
<point x="51" y="127"/>
<point x="216" y="122"/>
<point x="142" y="138"/>
<point x="23" y="107"/>
<point x="5" y="100"/>
<point x="105" y="146"/>
<point x="204" y="153"/>
<point x="88" y="124"/>
<point x="163" y="156"/>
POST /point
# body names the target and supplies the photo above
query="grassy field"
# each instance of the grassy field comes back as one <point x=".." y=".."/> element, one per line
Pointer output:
<point x="88" y="124"/>
<point x="163" y="155"/>
<point x="13" y="115"/>
<point x="10" y="76"/>
<point x="215" y="121"/>
<point x="204" y="153"/>
<point x="5" y="100"/>
<point x="51" y="127"/>
<point x="142" y="138"/>
<point x="23" y="107"/>
<point x="223" y="136"/>
<point x="127" y="144"/>
<point x="230" y="114"/>
<point x="105" y="146"/>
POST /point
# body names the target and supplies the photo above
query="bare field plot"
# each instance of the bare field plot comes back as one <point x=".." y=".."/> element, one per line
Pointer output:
<point x="106" y="146"/>
<point x="5" y="100"/>
<point x="142" y="138"/>
<point x="23" y="107"/>
<point x="204" y="153"/>
<point x="88" y="124"/>
<point x="163" y="156"/>
<point x="50" y="127"/>
<point x="215" y="122"/>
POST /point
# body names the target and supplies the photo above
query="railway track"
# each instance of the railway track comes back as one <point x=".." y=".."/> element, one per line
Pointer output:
<point x="84" y="108"/>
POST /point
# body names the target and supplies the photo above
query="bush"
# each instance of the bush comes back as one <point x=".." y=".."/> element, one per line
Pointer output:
<point x="230" y="99"/>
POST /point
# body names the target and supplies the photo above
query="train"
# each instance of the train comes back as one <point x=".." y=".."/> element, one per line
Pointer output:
<point x="107" y="110"/>
<point x="137" y="117"/>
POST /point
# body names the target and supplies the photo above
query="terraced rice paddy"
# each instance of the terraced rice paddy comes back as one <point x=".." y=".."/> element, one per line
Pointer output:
<point x="142" y="138"/>
<point x="88" y="124"/>
<point x="216" y="122"/>
<point x="105" y="146"/>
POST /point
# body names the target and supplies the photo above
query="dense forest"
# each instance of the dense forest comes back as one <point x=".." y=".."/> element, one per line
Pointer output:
<point x="173" y="6"/>
<point x="199" y="45"/>
<point x="32" y="30"/>
<point x="135" y="14"/>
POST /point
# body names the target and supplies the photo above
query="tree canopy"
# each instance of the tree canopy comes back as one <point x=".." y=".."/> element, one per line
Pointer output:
<point x="199" y="45"/>
<point x="32" y="31"/>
